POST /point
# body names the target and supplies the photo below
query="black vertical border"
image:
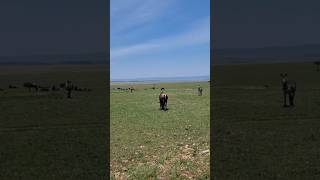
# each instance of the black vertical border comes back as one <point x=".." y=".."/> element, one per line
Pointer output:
<point x="107" y="48"/>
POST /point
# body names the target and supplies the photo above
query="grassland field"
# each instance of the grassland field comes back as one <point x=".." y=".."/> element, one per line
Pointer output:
<point x="46" y="135"/>
<point x="147" y="143"/>
<point x="254" y="136"/>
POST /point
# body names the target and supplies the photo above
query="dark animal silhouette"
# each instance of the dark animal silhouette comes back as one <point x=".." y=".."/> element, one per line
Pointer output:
<point x="200" y="91"/>
<point x="12" y="87"/>
<point x="30" y="85"/>
<point x="76" y="88"/>
<point x="69" y="87"/>
<point x="131" y="89"/>
<point x="54" y="88"/>
<point x="163" y="99"/>
<point x="62" y="85"/>
<point x="289" y="88"/>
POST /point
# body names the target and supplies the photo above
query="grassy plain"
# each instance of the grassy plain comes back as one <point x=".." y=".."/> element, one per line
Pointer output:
<point x="147" y="143"/>
<point x="254" y="136"/>
<point x="48" y="136"/>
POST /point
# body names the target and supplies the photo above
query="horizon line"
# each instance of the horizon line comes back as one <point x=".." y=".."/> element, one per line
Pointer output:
<point x="159" y="77"/>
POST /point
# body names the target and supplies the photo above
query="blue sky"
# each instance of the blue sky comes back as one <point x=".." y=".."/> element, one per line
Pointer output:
<point x="159" y="38"/>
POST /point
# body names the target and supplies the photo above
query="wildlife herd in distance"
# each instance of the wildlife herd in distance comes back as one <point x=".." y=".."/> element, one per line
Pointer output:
<point x="288" y="87"/>
<point x="163" y="97"/>
<point x="68" y="86"/>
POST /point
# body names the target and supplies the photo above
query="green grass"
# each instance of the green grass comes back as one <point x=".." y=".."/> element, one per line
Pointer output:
<point x="48" y="136"/>
<point x="255" y="137"/>
<point x="147" y="142"/>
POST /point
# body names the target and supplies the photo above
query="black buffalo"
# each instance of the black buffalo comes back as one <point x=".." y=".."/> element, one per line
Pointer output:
<point x="163" y="99"/>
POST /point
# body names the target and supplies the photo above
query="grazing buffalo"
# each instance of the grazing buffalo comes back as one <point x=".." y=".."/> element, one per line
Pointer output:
<point x="289" y="88"/>
<point x="163" y="99"/>
<point x="200" y="91"/>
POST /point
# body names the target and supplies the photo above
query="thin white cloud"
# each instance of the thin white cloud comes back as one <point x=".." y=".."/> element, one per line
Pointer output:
<point x="126" y="14"/>
<point x="119" y="52"/>
<point x="198" y="33"/>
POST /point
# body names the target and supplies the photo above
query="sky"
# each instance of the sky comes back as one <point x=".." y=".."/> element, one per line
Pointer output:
<point x="159" y="35"/>
<point x="255" y="24"/>
<point x="31" y="27"/>
<point x="152" y="38"/>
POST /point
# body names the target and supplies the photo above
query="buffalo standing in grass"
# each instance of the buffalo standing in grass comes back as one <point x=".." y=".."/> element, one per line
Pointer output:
<point x="200" y="91"/>
<point x="289" y="89"/>
<point x="163" y="99"/>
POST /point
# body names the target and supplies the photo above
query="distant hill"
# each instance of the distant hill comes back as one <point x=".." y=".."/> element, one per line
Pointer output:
<point x="268" y="54"/>
<point x="87" y="58"/>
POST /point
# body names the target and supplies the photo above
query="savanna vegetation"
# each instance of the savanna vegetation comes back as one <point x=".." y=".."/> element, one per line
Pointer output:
<point x="148" y="143"/>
